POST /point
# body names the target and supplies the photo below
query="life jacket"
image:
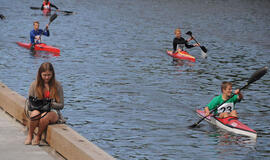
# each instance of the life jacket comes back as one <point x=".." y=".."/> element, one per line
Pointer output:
<point x="47" y="6"/>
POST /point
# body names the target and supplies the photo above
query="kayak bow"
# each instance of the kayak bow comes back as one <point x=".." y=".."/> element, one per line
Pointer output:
<point x="40" y="47"/>
<point x="231" y="124"/>
<point x="183" y="55"/>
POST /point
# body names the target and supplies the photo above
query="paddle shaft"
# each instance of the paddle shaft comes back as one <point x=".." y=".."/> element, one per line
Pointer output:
<point x="38" y="8"/>
<point x="202" y="47"/>
<point x="52" y="18"/>
<point x="196" y="41"/>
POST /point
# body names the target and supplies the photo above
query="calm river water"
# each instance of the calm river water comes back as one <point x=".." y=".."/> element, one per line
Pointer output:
<point x="122" y="90"/>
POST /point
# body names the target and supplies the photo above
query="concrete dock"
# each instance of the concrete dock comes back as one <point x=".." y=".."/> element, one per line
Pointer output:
<point x="12" y="136"/>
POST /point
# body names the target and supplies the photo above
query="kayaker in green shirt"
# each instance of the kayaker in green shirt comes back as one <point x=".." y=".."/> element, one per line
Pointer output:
<point x="228" y="108"/>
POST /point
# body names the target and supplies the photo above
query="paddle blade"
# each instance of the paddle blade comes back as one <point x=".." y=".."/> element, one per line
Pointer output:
<point x="204" y="55"/>
<point x="189" y="33"/>
<point x="258" y="74"/>
<point x="67" y="12"/>
<point x="203" y="49"/>
<point x="53" y="17"/>
<point x="36" y="8"/>
<point x="193" y="126"/>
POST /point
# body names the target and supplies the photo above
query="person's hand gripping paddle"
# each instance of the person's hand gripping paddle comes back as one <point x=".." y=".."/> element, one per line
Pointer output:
<point x="204" y="50"/>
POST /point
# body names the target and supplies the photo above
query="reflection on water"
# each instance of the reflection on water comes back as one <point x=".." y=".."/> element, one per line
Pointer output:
<point x="229" y="139"/>
<point x="179" y="62"/>
<point x="43" y="54"/>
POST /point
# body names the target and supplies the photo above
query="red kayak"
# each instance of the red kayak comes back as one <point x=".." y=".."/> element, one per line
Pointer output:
<point x="231" y="124"/>
<point x="181" y="55"/>
<point x="40" y="47"/>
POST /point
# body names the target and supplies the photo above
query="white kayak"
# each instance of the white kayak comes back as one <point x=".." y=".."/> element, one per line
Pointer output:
<point x="231" y="124"/>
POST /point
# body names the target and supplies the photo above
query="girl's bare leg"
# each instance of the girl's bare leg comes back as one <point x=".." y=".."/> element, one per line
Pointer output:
<point x="32" y="126"/>
<point x="51" y="117"/>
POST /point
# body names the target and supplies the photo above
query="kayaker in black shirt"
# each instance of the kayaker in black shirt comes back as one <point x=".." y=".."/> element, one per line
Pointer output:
<point x="179" y="42"/>
<point x="47" y="5"/>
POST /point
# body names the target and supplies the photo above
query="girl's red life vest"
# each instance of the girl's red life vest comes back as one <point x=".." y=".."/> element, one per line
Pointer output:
<point x="47" y="6"/>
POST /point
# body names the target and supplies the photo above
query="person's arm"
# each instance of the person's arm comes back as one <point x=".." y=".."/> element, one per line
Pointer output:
<point x="213" y="103"/>
<point x="54" y="6"/>
<point x="206" y="110"/>
<point x="188" y="45"/>
<point x="31" y="91"/>
<point x="42" y="7"/>
<point x="191" y="38"/>
<point x="240" y="95"/>
<point x="32" y="37"/>
<point x="59" y="105"/>
<point x="46" y="32"/>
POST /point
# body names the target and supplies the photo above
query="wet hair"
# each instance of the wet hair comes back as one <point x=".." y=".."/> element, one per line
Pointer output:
<point x="35" y="22"/>
<point x="224" y="85"/>
<point x="46" y="66"/>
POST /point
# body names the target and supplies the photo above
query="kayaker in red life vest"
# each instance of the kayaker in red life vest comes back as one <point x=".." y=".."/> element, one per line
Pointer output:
<point x="35" y="34"/>
<point x="47" y="5"/>
<point x="179" y="42"/>
<point x="228" y="108"/>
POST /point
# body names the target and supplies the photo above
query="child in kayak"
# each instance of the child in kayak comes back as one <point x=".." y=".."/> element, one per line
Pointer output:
<point x="179" y="42"/>
<point x="48" y="5"/>
<point x="227" y="109"/>
<point x="35" y="34"/>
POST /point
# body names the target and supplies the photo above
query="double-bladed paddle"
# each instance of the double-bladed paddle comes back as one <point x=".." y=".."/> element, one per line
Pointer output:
<point x="254" y="77"/>
<point x="204" y="50"/>
<point x="39" y="8"/>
